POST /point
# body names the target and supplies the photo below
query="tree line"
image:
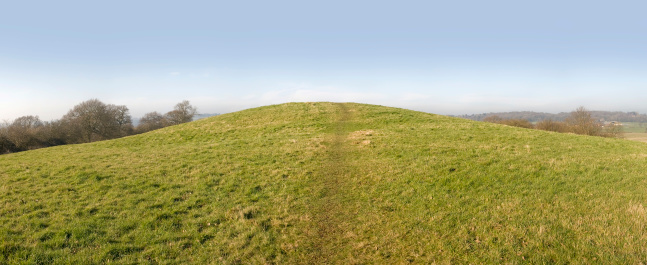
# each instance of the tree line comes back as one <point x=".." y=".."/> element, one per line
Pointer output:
<point x="540" y="116"/>
<point x="579" y="121"/>
<point x="89" y="121"/>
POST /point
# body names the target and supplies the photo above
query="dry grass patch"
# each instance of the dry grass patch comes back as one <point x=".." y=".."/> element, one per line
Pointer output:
<point x="640" y="137"/>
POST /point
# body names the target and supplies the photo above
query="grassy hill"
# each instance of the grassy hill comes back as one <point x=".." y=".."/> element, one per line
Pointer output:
<point x="312" y="183"/>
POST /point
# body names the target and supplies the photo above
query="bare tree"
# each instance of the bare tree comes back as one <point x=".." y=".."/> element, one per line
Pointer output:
<point x="182" y="113"/>
<point x="29" y="132"/>
<point x="122" y="118"/>
<point x="53" y="133"/>
<point x="23" y="132"/>
<point x="6" y="145"/>
<point x="581" y="122"/>
<point x="92" y="120"/>
<point x="151" y="121"/>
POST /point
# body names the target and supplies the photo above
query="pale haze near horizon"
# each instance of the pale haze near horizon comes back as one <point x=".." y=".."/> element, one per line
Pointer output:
<point x="461" y="57"/>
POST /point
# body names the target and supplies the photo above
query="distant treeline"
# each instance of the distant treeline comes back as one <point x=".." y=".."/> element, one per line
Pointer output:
<point x="579" y="121"/>
<point x="89" y="121"/>
<point x="562" y="116"/>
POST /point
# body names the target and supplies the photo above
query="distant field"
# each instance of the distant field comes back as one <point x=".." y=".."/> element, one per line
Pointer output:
<point x="635" y="131"/>
<point x="328" y="183"/>
<point x="634" y="127"/>
<point x="641" y="137"/>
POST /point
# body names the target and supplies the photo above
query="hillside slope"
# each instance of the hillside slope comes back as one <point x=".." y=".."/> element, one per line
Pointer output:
<point x="311" y="183"/>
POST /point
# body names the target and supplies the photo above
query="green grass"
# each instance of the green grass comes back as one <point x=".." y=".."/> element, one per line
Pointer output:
<point x="306" y="183"/>
<point x="635" y="131"/>
<point x="634" y="127"/>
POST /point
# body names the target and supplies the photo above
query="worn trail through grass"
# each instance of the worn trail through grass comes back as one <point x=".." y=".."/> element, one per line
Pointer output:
<point x="331" y="215"/>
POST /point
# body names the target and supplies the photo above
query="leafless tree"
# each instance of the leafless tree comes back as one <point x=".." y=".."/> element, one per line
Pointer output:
<point x="53" y="133"/>
<point x="23" y="131"/>
<point x="6" y="146"/>
<point x="151" y="121"/>
<point x="581" y="122"/>
<point x="92" y="120"/>
<point x="182" y="113"/>
<point x="122" y="118"/>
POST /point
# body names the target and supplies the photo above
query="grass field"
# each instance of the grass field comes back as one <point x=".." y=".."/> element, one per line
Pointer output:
<point x="634" y="127"/>
<point x="635" y="131"/>
<point x="328" y="183"/>
<point x="640" y="137"/>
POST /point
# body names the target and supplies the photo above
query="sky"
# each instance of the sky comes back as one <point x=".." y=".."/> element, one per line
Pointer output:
<point x="445" y="57"/>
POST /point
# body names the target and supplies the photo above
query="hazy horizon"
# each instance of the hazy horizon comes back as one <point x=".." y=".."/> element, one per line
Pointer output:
<point x="454" y="58"/>
<point x="169" y="108"/>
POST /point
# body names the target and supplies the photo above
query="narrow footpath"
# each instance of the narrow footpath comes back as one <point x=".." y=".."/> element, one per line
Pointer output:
<point x="330" y="216"/>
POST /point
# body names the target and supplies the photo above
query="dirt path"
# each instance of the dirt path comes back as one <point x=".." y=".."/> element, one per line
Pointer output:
<point x="331" y="218"/>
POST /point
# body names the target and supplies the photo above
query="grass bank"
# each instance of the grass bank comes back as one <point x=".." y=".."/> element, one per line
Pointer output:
<point x="331" y="183"/>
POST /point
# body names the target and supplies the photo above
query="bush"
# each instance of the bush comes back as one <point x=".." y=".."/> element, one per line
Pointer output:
<point x="578" y="122"/>
<point x="553" y="126"/>
<point x="510" y="122"/>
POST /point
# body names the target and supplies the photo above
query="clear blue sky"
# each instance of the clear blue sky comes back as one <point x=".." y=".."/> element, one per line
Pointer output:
<point x="446" y="57"/>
